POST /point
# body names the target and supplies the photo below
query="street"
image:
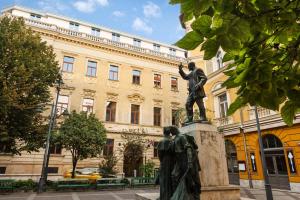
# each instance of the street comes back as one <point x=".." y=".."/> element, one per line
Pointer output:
<point x="128" y="194"/>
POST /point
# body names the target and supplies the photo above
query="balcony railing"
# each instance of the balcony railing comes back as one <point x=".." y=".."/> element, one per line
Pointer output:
<point x="43" y="25"/>
<point x="262" y="112"/>
<point x="222" y="121"/>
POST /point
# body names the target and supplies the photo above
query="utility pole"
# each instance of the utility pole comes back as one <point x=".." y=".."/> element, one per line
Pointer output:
<point x="268" y="187"/>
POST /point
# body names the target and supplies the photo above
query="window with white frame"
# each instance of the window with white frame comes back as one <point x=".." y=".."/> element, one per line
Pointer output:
<point x="91" y="68"/>
<point x="174" y="84"/>
<point x="62" y="104"/>
<point x="35" y="16"/>
<point x="136" y="77"/>
<point x="223" y="105"/>
<point x="74" y="26"/>
<point x="95" y="32"/>
<point x="172" y="51"/>
<point x="157" y="80"/>
<point x="115" y="37"/>
<point x="156" y="47"/>
<point x="88" y="105"/>
<point x="137" y="42"/>
<point x="113" y="72"/>
<point x="68" y="64"/>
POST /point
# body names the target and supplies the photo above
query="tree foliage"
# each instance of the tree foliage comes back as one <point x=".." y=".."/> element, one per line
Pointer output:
<point x="27" y="70"/>
<point x="83" y="135"/>
<point x="261" y="38"/>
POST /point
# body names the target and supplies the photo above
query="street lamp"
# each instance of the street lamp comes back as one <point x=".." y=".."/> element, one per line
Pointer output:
<point x="268" y="187"/>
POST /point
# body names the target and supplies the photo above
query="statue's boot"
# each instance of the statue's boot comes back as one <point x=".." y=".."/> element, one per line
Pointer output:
<point x="202" y="116"/>
<point x="188" y="120"/>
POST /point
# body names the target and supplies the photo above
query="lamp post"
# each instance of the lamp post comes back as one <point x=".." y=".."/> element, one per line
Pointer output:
<point x="268" y="187"/>
<point x="44" y="172"/>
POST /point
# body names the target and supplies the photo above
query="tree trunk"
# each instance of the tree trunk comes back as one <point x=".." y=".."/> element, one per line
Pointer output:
<point x="74" y="161"/>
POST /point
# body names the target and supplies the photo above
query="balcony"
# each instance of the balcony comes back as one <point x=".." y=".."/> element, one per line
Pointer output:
<point x="262" y="112"/>
<point x="101" y="40"/>
<point x="223" y="121"/>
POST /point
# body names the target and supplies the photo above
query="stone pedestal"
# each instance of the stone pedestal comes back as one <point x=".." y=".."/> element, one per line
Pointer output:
<point x="212" y="157"/>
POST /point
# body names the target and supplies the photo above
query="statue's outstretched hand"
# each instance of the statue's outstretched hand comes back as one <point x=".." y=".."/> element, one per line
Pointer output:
<point x="180" y="66"/>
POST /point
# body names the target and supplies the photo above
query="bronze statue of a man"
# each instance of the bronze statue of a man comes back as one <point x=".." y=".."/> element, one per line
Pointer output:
<point x="196" y="79"/>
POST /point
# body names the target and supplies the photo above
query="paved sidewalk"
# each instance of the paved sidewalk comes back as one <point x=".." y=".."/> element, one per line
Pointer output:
<point x="128" y="194"/>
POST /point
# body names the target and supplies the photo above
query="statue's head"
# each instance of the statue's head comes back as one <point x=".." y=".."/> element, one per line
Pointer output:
<point x="191" y="66"/>
<point x="173" y="130"/>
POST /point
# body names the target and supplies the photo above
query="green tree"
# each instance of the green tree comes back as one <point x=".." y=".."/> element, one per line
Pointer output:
<point x="27" y="70"/>
<point x="108" y="164"/>
<point x="83" y="135"/>
<point x="261" y="38"/>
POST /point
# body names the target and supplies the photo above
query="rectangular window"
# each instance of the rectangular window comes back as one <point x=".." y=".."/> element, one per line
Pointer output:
<point x="137" y="42"/>
<point x="55" y="149"/>
<point x="2" y="170"/>
<point x="68" y="64"/>
<point x="156" y="47"/>
<point x="95" y="32"/>
<point x="135" y="114"/>
<point x="111" y="111"/>
<point x="157" y="80"/>
<point x="52" y="170"/>
<point x="156" y="116"/>
<point x="174" y="118"/>
<point x="155" y="150"/>
<point x="113" y="72"/>
<point x="62" y="104"/>
<point x="35" y="16"/>
<point x="223" y="105"/>
<point x="108" y="149"/>
<point x="74" y="26"/>
<point x="136" y="77"/>
<point x="88" y="105"/>
<point x="172" y="51"/>
<point x="116" y="37"/>
<point x="91" y="68"/>
<point x="174" y="84"/>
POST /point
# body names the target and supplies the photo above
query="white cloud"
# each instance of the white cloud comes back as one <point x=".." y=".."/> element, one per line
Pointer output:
<point x="118" y="13"/>
<point x="140" y="25"/>
<point x="151" y="10"/>
<point x="54" y="6"/>
<point x="89" y="6"/>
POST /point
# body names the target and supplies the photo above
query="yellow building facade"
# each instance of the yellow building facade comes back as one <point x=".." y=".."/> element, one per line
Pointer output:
<point x="281" y="143"/>
<point x="130" y="83"/>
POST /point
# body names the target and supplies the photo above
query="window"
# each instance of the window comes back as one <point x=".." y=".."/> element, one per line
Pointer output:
<point x="62" y="104"/>
<point x="174" y="84"/>
<point x="116" y="37"/>
<point x="223" y="105"/>
<point x="55" y="149"/>
<point x="155" y="150"/>
<point x="35" y="16"/>
<point x="172" y="51"/>
<point x="108" y="148"/>
<point x="136" y="77"/>
<point x="111" y="111"/>
<point x="2" y="170"/>
<point x="113" y="72"/>
<point x="91" y="68"/>
<point x="219" y="60"/>
<point x="87" y="105"/>
<point x="157" y="80"/>
<point x="174" y="118"/>
<point x="95" y="32"/>
<point x="74" y="26"/>
<point x="271" y="141"/>
<point x="156" y="47"/>
<point x="156" y="116"/>
<point x="135" y="114"/>
<point x="52" y="170"/>
<point x="68" y="64"/>
<point x="137" y="42"/>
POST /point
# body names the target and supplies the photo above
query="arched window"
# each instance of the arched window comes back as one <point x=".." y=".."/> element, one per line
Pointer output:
<point x="271" y="141"/>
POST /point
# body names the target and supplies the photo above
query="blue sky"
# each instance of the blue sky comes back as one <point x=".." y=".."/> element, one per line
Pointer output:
<point x="153" y="19"/>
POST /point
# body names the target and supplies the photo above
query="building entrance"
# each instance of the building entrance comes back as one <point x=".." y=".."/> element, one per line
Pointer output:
<point x="276" y="163"/>
<point x="232" y="163"/>
<point x="133" y="160"/>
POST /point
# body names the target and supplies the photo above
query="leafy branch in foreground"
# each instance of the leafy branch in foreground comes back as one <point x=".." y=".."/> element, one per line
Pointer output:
<point x="261" y="38"/>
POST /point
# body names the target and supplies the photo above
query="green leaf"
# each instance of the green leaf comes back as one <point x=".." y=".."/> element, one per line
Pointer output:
<point x="238" y="103"/>
<point x="210" y="48"/>
<point x="202" y="24"/>
<point x="240" y="78"/>
<point x="217" y="21"/>
<point x="190" y="41"/>
<point x="204" y="5"/>
<point x="172" y="2"/>
<point x="228" y="57"/>
<point x="288" y="112"/>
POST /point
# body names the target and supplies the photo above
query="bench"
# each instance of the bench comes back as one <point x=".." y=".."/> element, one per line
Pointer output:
<point x="7" y="184"/>
<point x="73" y="184"/>
<point x="142" y="181"/>
<point x="105" y="183"/>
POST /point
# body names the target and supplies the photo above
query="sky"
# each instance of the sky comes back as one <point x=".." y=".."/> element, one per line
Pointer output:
<point x="152" y="19"/>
